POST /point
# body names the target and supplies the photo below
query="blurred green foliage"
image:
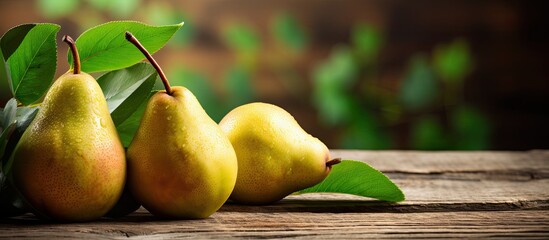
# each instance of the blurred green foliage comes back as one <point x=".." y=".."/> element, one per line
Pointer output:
<point x="425" y="107"/>
<point x="244" y="42"/>
<point x="428" y="133"/>
<point x="163" y="14"/>
<point x="286" y="30"/>
<point x="57" y="8"/>
<point x="419" y="88"/>
<point x="333" y="80"/>
<point x="63" y="8"/>
<point x="201" y="88"/>
<point x="343" y="93"/>
<point x="350" y="96"/>
<point x="367" y="41"/>
<point x="453" y="61"/>
<point x="238" y="84"/>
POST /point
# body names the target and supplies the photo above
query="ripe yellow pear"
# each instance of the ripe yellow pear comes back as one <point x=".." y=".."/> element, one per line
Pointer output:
<point x="70" y="164"/>
<point x="180" y="164"/>
<point x="276" y="157"/>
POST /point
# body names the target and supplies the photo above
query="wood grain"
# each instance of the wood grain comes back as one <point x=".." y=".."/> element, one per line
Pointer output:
<point x="511" y="224"/>
<point x="450" y="162"/>
<point x="449" y="195"/>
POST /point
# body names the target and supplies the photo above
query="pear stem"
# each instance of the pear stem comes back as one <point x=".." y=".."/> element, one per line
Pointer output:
<point x="74" y="51"/>
<point x="333" y="162"/>
<point x="134" y="41"/>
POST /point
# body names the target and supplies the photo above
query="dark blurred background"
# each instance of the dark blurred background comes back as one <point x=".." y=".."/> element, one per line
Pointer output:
<point x="432" y="75"/>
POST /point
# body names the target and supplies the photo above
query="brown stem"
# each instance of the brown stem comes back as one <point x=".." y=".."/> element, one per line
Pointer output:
<point x="333" y="162"/>
<point x="139" y="46"/>
<point x="74" y="51"/>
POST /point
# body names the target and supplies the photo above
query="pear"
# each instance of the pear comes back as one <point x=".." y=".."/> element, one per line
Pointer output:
<point x="69" y="164"/>
<point x="276" y="157"/>
<point x="180" y="163"/>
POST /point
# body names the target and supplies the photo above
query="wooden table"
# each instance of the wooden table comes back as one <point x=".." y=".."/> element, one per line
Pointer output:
<point x="449" y="194"/>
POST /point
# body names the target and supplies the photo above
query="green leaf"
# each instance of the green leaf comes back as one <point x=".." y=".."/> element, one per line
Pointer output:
<point x="453" y="62"/>
<point x="57" y="8"/>
<point x="23" y="118"/>
<point x="126" y="89"/>
<point x="287" y="30"/>
<point x="428" y="134"/>
<point x="367" y="41"/>
<point x="13" y="38"/>
<point x="128" y="128"/>
<point x="8" y="113"/>
<point x="358" y="178"/>
<point x="31" y="63"/>
<point x="8" y="123"/>
<point x="4" y="137"/>
<point x="104" y="47"/>
<point x="5" y="79"/>
<point x="419" y="88"/>
<point x="471" y="129"/>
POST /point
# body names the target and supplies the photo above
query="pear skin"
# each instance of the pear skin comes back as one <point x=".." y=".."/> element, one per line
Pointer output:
<point x="276" y="157"/>
<point x="180" y="163"/>
<point x="70" y="164"/>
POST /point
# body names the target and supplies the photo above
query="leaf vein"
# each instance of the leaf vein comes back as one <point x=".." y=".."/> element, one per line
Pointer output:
<point x="32" y="59"/>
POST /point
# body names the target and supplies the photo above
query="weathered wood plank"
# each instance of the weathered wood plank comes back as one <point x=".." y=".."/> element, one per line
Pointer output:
<point x="449" y="161"/>
<point x="463" y="180"/>
<point x="449" y="194"/>
<point x="511" y="224"/>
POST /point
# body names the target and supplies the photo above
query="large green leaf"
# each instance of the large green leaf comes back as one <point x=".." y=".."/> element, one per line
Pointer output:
<point x="13" y="38"/>
<point x="5" y="79"/>
<point x="8" y="124"/>
<point x="126" y="130"/>
<point x="8" y="113"/>
<point x="104" y="47"/>
<point x="126" y="89"/>
<point x="31" y="54"/>
<point x="23" y="118"/>
<point x="358" y="178"/>
<point x="4" y="137"/>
